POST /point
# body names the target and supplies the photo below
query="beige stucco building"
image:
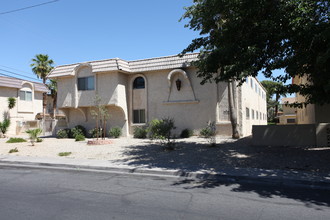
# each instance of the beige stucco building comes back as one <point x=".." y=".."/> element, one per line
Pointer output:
<point x="28" y="97"/>
<point x="135" y="92"/>
<point x="312" y="113"/>
<point x="289" y="115"/>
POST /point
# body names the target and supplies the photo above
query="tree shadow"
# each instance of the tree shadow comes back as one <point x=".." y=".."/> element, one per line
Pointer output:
<point x="239" y="158"/>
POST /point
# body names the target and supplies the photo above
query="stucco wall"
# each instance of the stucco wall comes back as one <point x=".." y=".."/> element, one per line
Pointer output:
<point x="253" y="100"/>
<point x="284" y="135"/>
<point x="18" y="113"/>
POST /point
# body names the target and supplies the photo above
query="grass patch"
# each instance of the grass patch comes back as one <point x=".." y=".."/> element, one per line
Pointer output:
<point x="16" y="140"/>
<point x="64" y="154"/>
<point x="15" y="150"/>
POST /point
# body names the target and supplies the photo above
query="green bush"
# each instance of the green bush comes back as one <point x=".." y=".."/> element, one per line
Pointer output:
<point x="64" y="154"/>
<point x="16" y="140"/>
<point x="39" y="140"/>
<point x="92" y="132"/>
<point x="115" y="132"/>
<point x="80" y="137"/>
<point x="4" y="126"/>
<point x="186" y="133"/>
<point x="209" y="132"/>
<point x="206" y="132"/>
<point x="140" y="132"/>
<point x="79" y="129"/>
<point x="15" y="150"/>
<point x="34" y="133"/>
<point x="62" y="133"/>
<point x="162" y="130"/>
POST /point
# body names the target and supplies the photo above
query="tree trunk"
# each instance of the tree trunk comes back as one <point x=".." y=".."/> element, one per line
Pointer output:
<point x="54" y="105"/>
<point x="232" y="100"/>
<point x="277" y="97"/>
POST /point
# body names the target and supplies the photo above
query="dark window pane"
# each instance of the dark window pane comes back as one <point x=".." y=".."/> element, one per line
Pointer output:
<point x="90" y="83"/>
<point x="142" y="116"/>
<point x="138" y="83"/>
<point x="22" y="95"/>
<point x="81" y="84"/>
<point x="28" y="96"/>
<point x="135" y="116"/>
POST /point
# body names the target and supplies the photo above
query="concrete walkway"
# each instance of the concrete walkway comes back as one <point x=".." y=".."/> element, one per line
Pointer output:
<point x="289" y="178"/>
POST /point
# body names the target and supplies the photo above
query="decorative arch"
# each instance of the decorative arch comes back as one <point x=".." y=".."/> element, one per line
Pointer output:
<point x="188" y="96"/>
<point x="141" y="93"/>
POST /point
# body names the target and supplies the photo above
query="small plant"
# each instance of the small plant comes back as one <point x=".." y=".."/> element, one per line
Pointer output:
<point x="11" y="102"/>
<point x="162" y="130"/>
<point x="14" y="150"/>
<point x="4" y="126"/>
<point x="94" y="132"/>
<point x="140" y="132"/>
<point x="79" y="129"/>
<point x="39" y="140"/>
<point x="115" y="132"/>
<point x="16" y="140"/>
<point x="62" y="133"/>
<point x="186" y="133"/>
<point x="209" y="132"/>
<point x="80" y="137"/>
<point x="64" y="154"/>
<point x="34" y="133"/>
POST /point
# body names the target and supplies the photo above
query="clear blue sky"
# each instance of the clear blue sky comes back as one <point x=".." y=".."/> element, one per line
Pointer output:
<point x="72" y="31"/>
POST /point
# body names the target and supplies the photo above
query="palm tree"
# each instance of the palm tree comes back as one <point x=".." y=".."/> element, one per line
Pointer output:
<point x="41" y="66"/>
<point x="52" y="86"/>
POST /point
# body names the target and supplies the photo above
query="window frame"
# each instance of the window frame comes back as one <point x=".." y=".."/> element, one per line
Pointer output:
<point x="141" y="115"/>
<point x="25" y="95"/>
<point x="85" y="83"/>
<point x="137" y="85"/>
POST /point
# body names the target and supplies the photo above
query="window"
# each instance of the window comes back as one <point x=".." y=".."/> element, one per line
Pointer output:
<point x="139" y="116"/>
<point x="86" y="83"/>
<point x="138" y="83"/>
<point x="251" y="83"/>
<point x="257" y="115"/>
<point x="252" y="114"/>
<point x="260" y="116"/>
<point x="25" y="95"/>
<point x="290" y="120"/>
<point x="247" y="80"/>
<point x="247" y="110"/>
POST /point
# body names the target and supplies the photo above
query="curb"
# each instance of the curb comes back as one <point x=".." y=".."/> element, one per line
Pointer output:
<point x="220" y="177"/>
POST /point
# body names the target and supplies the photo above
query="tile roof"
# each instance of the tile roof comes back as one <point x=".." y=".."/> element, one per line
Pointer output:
<point x="159" y="63"/>
<point x="17" y="83"/>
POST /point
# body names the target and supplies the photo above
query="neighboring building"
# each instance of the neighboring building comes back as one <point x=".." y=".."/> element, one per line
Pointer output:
<point x="135" y="92"/>
<point x="288" y="115"/>
<point x="310" y="114"/>
<point x="28" y="97"/>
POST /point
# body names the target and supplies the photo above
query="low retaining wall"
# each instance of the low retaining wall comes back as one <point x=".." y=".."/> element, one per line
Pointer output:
<point x="291" y="135"/>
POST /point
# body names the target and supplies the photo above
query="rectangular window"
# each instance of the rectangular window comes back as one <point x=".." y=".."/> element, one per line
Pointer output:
<point x="251" y="83"/>
<point x="86" y="83"/>
<point x="247" y="110"/>
<point x="252" y="114"/>
<point x="25" y="95"/>
<point x="139" y="116"/>
<point x="257" y="115"/>
<point x="290" y="120"/>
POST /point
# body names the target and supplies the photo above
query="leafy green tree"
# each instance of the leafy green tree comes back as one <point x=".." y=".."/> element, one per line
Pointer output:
<point x="101" y="115"/>
<point x="41" y="66"/>
<point x="273" y="89"/>
<point x="244" y="37"/>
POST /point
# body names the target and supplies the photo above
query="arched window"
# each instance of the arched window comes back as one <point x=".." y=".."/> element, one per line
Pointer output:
<point x="138" y="83"/>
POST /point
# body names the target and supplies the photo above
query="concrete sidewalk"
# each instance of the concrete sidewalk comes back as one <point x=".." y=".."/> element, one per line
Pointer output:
<point x="254" y="175"/>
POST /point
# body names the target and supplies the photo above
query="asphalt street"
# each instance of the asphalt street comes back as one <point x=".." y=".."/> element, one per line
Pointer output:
<point x="28" y="193"/>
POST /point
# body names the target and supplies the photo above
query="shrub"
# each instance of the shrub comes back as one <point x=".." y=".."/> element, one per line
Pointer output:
<point x="11" y="102"/>
<point x="162" y="130"/>
<point x="79" y="129"/>
<point x="140" y="132"/>
<point x="64" y="154"/>
<point x="62" y="133"/>
<point x="186" y="133"/>
<point x="39" y="140"/>
<point x="16" y="140"/>
<point x="34" y="133"/>
<point x="4" y="126"/>
<point x="115" y="132"/>
<point x="209" y="132"/>
<point x="80" y="137"/>
<point x="15" y="150"/>
<point x="92" y="133"/>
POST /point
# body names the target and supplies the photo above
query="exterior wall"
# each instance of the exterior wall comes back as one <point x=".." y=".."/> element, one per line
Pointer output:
<point x="284" y="135"/>
<point x="254" y="101"/>
<point x="23" y="110"/>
